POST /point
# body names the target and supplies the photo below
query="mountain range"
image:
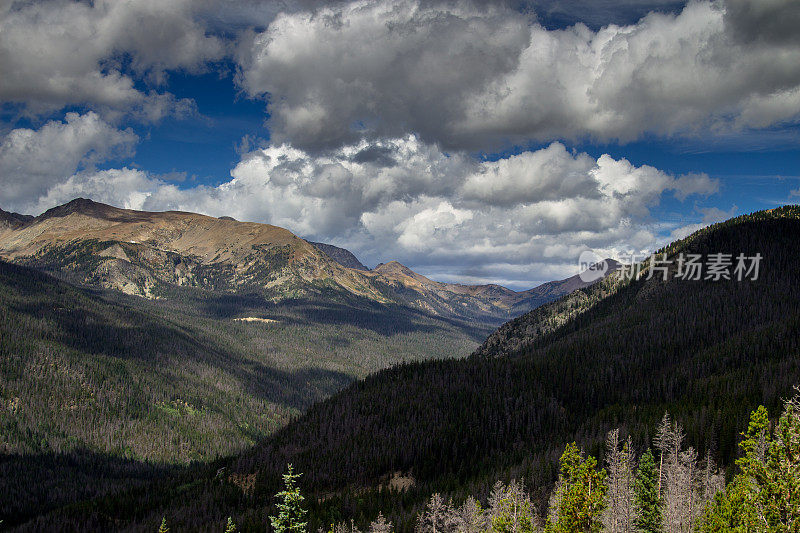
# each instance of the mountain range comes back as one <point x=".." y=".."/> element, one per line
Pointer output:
<point x="361" y="379"/>
<point x="151" y="254"/>
<point x="135" y="343"/>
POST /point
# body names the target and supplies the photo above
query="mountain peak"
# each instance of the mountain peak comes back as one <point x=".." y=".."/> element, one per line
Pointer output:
<point x="613" y="264"/>
<point x="395" y="268"/>
<point x="392" y="265"/>
<point x="84" y="206"/>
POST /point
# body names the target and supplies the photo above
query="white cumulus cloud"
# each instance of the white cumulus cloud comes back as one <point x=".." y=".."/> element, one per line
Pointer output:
<point x="407" y="200"/>
<point x="55" y="53"/>
<point x="470" y="77"/>
<point x="33" y="161"/>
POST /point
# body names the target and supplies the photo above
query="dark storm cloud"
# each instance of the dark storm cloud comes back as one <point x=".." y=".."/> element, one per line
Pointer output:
<point x="768" y="21"/>
<point x="378" y="155"/>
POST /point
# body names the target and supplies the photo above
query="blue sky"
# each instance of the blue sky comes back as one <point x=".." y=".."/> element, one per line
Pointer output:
<point x="204" y="146"/>
<point x="471" y="143"/>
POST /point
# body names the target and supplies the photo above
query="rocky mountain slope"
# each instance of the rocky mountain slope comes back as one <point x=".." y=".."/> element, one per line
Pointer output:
<point x="150" y="254"/>
<point x="341" y="255"/>
<point x="145" y="253"/>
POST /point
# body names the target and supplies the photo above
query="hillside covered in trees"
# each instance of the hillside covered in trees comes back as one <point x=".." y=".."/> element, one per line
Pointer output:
<point x="706" y="351"/>
<point x="99" y="390"/>
<point x="666" y="489"/>
<point x="616" y="355"/>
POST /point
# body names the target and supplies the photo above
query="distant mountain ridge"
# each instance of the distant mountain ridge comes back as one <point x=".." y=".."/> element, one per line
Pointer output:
<point x="342" y="256"/>
<point x="13" y="220"/>
<point x="151" y="254"/>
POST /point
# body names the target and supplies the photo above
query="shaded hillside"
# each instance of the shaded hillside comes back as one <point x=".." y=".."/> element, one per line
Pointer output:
<point x="706" y="351"/>
<point x="520" y="332"/>
<point x="210" y="374"/>
<point x="35" y="484"/>
<point x="112" y="377"/>
<point x="12" y="220"/>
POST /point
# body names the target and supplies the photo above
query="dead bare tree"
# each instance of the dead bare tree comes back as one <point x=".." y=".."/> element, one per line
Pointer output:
<point x="713" y="481"/>
<point x="470" y="518"/>
<point x="344" y="527"/>
<point x="686" y="487"/>
<point x="620" y="513"/>
<point x="664" y="444"/>
<point x="438" y="516"/>
<point x="381" y="525"/>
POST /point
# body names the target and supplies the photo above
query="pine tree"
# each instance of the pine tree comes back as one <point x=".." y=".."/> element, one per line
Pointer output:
<point x="647" y="501"/>
<point x="290" y="508"/>
<point x="510" y="509"/>
<point x="231" y="527"/>
<point x="163" y="528"/>
<point x="737" y="509"/>
<point x="773" y="467"/>
<point x="580" y="495"/>
<point x="731" y="511"/>
<point x="765" y="496"/>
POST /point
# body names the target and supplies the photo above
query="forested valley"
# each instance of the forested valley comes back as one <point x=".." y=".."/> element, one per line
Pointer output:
<point x="101" y="391"/>
<point x="614" y="356"/>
